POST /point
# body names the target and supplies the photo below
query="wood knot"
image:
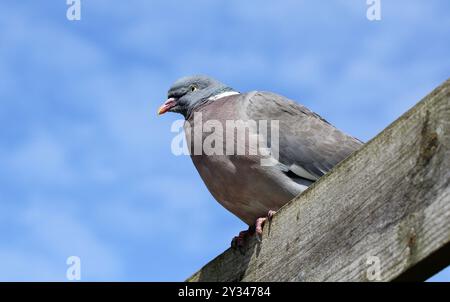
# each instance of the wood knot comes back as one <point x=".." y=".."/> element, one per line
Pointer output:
<point x="429" y="142"/>
<point x="428" y="148"/>
<point x="412" y="238"/>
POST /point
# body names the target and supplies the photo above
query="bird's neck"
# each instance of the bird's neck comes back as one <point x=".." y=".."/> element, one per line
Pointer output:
<point x="218" y="94"/>
<point x="222" y="95"/>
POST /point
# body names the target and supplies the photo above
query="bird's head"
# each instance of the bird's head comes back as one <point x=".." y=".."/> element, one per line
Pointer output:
<point x="189" y="92"/>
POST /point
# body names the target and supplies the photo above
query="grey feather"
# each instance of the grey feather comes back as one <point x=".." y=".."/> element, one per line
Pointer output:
<point x="307" y="141"/>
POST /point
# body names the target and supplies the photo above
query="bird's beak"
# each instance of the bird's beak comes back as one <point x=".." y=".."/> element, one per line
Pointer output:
<point x="171" y="102"/>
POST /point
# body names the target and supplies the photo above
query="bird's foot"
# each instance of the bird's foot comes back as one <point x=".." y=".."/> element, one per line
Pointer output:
<point x="239" y="240"/>
<point x="257" y="229"/>
<point x="260" y="222"/>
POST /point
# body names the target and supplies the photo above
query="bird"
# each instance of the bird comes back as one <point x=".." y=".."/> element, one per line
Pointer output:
<point x="308" y="146"/>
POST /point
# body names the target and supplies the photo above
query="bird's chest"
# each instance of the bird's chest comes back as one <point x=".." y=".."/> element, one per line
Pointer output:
<point x="228" y="166"/>
<point x="214" y="150"/>
<point x="219" y="173"/>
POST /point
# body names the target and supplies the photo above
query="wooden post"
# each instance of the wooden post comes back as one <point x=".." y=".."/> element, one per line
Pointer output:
<point x="382" y="214"/>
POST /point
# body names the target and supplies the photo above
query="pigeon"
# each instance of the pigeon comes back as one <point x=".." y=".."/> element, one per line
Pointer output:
<point x="307" y="147"/>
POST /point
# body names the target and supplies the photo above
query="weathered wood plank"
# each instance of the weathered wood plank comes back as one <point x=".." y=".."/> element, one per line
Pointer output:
<point x="390" y="200"/>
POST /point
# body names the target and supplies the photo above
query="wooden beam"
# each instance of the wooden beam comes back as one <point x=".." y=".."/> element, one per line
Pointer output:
<point x="387" y="206"/>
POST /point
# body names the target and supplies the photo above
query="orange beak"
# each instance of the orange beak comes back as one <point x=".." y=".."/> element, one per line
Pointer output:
<point x="171" y="102"/>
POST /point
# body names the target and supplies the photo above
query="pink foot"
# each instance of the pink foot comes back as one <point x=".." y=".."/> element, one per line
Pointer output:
<point x="257" y="229"/>
<point x="260" y="222"/>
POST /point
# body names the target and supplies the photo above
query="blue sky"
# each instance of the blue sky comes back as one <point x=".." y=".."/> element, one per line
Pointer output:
<point x="86" y="165"/>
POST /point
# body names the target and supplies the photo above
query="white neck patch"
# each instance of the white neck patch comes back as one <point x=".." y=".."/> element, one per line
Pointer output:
<point x="222" y="95"/>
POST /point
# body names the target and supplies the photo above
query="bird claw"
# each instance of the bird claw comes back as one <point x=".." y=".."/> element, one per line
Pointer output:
<point x="257" y="229"/>
<point x="260" y="222"/>
<point x="270" y="215"/>
<point x="259" y="226"/>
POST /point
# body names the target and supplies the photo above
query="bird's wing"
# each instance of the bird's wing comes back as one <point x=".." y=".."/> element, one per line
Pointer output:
<point x="309" y="146"/>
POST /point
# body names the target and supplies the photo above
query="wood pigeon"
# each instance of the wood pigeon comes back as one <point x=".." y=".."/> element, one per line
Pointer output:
<point x="308" y="147"/>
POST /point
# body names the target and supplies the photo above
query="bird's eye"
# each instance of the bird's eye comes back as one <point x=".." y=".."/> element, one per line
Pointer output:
<point x="193" y="88"/>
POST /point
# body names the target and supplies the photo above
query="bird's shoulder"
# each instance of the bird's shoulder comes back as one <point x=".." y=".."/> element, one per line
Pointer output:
<point x="269" y="105"/>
